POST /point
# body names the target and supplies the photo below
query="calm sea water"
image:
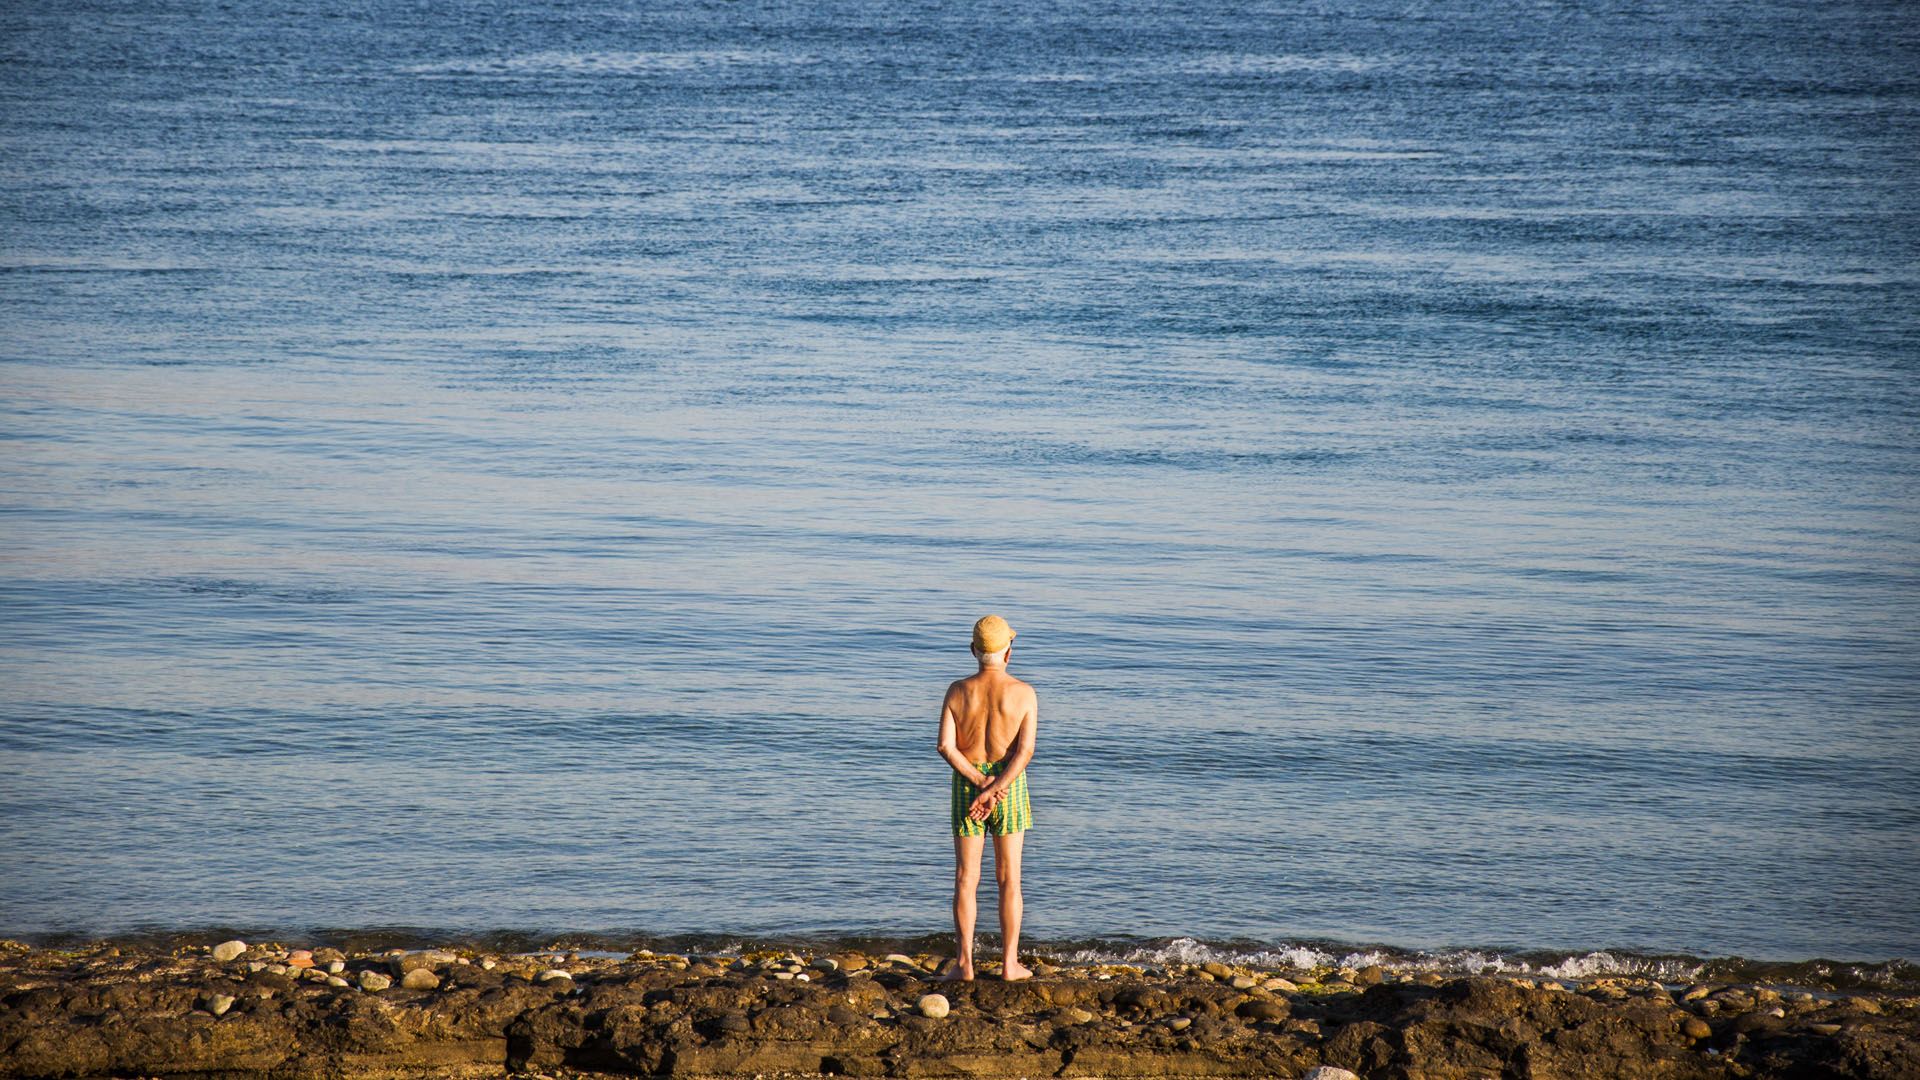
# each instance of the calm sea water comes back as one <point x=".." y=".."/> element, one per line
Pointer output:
<point x="533" y="466"/>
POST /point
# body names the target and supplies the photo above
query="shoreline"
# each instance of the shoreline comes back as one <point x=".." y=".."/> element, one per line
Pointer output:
<point x="294" y="1009"/>
<point x="1670" y="968"/>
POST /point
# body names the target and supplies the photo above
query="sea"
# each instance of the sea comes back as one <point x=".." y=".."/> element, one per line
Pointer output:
<point x="530" y="468"/>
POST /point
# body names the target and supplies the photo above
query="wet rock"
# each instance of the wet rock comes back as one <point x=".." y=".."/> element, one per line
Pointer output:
<point x="229" y="950"/>
<point x="934" y="1005"/>
<point x="1261" y="1009"/>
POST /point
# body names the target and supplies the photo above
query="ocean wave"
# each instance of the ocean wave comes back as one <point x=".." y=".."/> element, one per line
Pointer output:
<point x="613" y="63"/>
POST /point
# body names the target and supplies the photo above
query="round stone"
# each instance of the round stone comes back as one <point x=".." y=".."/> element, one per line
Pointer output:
<point x="935" y="1006"/>
<point x="420" y="979"/>
<point x="1180" y="1023"/>
<point x="229" y="950"/>
<point x="373" y="982"/>
<point x="1695" y="1028"/>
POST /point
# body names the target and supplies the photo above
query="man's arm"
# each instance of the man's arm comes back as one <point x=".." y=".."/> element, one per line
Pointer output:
<point x="950" y="745"/>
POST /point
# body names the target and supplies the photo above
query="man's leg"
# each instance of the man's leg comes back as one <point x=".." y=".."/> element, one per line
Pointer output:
<point x="966" y="887"/>
<point x="1006" y="870"/>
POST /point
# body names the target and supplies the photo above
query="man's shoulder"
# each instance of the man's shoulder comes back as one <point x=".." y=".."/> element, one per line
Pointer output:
<point x="1020" y="686"/>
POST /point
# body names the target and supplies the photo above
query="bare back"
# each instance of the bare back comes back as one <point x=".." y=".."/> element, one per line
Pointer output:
<point x="988" y="711"/>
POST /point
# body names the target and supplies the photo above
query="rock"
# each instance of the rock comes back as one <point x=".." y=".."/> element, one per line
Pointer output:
<point x="783" y="976"/>
<point x="554" y="975"/>
<point x="1279" y="985"/>
<point x="373" y="982"/>
<point x="1371" y="975"/>
<point x="1260" y="1009"/>
<point x="1696" y="1028"/>
<point x="1824" y="1029"/>
<point x="218" y="1004"/>
<point x="1243" y="982"/>
<point x="901" y="959"/>
<point x="335" y="980"/>
<point x="300" y="958"/>
<point x="801" y="976"/>
<point x="851" y="962"/>
<point x="420" y="979"/>
<point x="335" y="967"/>
<point x="328" y="956"/>
<point x="934" y="1005"/>
<point x="1696" y="992"/>
<point x="1078" y="1016"/>
<point x="1327" y="1072"/>
<point x="229" y="950"/>
<point x="1180" y="1023"/>
<point x="1217" y="969"/>
<point x="488" y="963"/>
<point x="827" y="963"/>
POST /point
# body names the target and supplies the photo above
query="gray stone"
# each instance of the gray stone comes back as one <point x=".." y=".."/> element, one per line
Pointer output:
<point x="554" y="975"/>
<point x="218" y="1004"/>
<point x="373" y="982"/>
<point x="934" y="1005"/>
<point x="229" y="950"/>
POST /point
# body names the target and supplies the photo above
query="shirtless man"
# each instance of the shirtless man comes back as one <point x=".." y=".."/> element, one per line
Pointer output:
<point x="986" y="733"/>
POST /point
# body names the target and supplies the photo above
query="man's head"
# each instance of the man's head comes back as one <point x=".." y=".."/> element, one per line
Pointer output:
<point x="992" y="637"/>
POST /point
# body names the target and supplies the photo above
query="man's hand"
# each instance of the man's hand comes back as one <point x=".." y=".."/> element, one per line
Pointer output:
<point x="984" y="803"/>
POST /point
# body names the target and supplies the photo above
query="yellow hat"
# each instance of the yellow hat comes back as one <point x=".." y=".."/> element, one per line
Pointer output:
<point x="992" y="634"/>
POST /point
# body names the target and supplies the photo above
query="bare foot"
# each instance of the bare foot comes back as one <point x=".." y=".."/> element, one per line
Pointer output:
<point x="959" y="971"/>
<point x="1014" y="971"/>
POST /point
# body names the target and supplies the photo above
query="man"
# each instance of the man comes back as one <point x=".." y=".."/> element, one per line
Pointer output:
<point x="986" y="733"/>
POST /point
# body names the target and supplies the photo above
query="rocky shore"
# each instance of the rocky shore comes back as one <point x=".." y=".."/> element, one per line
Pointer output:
<point x="235" y="1010"/>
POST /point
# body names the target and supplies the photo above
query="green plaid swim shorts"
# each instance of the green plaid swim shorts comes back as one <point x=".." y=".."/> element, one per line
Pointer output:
<point x="1011" y="814"/>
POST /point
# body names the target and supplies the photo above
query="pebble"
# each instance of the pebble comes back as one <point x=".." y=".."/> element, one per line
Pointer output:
<point x="373" y="982"/>
<point x="335" y="980"/>
<point x="1080" y="1016"/>
<point x="1180" y="1023"/>
<point x="897" y="958"/>
<point x="276" y="969"/>
<point x="934" y="1005"/>
<point x="1371" y="975"/>
<point x="801" y="976"/>
<point x="335" y="967"/>
<point x="229" y="950"/>
<point x="827" y="963"/>
<point x="554" y="975"/>
<point x="1327" y="1072"/>
<point x="1217" y="969"/>
<point x="1824" y="1029"/>
<point x="420" y="979"/>
<point x="1243" y="982"/>
<point x="1696" y="992"/>
<point x="1695" y="1028"/>
<point x="218" y="1004"/>
<point x="1279" y="985"/>
<point x="783" y="976"/>
<point x="300" y="958"/>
